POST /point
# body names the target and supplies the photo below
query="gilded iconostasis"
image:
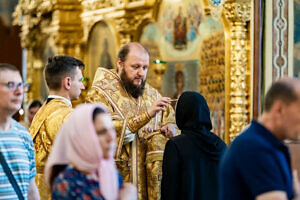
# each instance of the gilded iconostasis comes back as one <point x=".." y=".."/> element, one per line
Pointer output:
<point x="204" y="45"/>
<point x="191" y="42"/>
<point x="229" y="50"/>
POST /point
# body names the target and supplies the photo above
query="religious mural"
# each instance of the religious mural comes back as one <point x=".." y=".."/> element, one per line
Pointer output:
<point x="180" y="76"/>
<point x="102" y="49"/>
<point x="179" y="22"/>
<point x="296" y="38"/>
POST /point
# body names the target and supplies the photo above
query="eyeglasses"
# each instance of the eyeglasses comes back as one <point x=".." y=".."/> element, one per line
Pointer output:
<point x="12" y="86"/>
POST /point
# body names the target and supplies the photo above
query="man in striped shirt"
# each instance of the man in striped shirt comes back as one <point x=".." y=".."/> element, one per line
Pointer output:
<point x="15" y="142"/>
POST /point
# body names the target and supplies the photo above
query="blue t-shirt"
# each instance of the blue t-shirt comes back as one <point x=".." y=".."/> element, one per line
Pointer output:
<point x="255" y="163"/>
<point x="72" y="184"/>
<point x="17" y="148"/>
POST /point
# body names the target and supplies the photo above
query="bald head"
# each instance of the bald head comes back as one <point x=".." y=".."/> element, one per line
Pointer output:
<point x="125" y="50"/>
<point x="132" y="67"/>
<point x="286" y="90"/>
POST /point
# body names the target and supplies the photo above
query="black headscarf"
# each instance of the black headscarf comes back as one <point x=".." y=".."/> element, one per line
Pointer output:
<point x="193" y="119"/>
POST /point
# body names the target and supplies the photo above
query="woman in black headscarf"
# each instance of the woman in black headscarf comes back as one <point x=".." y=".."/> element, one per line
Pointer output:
<point x="190" y="163"/>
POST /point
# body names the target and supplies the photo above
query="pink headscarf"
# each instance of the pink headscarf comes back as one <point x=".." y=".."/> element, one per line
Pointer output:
<point x="77" y="142"/>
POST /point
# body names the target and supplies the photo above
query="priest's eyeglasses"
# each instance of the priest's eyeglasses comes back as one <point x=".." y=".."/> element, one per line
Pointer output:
<point x="12" y="86"/>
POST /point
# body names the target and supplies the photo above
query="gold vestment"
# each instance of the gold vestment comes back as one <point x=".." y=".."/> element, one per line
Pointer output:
<point x="43" y="130"/>
<point x="140" y="160"/>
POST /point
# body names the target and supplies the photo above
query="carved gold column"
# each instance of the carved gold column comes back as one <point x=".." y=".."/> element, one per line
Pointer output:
<point x="67" y="32"/>
<point x="55" y="22"/>
<point x="66" y="29"/>
<point x="238" y="72"/>
<point x="29" y="15"/>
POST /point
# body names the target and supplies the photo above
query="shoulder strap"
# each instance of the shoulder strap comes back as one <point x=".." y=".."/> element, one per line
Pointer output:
<point x="11" y="177"/>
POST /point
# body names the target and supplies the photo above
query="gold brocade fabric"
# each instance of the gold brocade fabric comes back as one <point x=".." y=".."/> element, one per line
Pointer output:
<point x="139" y="161"/>
<point x="43" y="130"/>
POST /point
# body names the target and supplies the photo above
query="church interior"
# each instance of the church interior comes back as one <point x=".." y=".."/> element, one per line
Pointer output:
<point x="228" y="50"/>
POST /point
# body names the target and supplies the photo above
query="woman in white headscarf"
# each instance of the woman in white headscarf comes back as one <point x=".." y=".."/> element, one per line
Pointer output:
<point x="81" y="163"/>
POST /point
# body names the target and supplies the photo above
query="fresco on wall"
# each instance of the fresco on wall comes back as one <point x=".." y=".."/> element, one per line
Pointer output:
<point x="296" y="38"/>
<point x="149" y="39"/>
<point x="180" y="76"/>
<point x="102" y="49"/>
<point x="179" y="23"/>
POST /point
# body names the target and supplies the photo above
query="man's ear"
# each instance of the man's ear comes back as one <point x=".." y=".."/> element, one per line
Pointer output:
<point x="278" y="108"/>
<point x="67" y="82"/>
<point x="120" y="65"/>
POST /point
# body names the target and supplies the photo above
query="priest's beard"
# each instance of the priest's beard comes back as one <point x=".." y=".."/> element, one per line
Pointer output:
<point x="130" y="87"/>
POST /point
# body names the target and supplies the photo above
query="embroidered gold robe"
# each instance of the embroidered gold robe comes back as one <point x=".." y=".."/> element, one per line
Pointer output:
<point x="43" y="130"/>
<point x="140" y="143"/>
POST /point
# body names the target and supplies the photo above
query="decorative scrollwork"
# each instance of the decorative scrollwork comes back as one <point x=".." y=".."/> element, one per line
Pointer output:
<point x="90" y="5"/>
<point x="237" y="12"/>
<point x="47" y="21"/>
<point x="128" y="25"/>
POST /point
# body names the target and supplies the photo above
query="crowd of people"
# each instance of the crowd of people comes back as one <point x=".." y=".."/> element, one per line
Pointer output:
<point x="127" y="142"/>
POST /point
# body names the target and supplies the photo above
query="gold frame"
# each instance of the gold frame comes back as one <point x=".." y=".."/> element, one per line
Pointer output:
<point x="86" y="41"/>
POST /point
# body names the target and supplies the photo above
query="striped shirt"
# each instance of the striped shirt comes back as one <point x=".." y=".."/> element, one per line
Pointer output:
<point x="17" y="148"/>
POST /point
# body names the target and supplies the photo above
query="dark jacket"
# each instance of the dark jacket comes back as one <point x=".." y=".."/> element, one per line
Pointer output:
<point x="190" y="163"/>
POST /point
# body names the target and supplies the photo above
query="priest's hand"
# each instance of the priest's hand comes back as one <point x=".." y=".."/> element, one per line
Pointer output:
<point x="169" y="130"/>
<point x="158" y="105"/>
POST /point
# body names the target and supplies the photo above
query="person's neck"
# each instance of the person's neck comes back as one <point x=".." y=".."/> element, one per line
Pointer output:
<point x="268" y="121"/>
<point x="5" y="122"/>
<point x="92" y="175"/>
<point x="60" y="93"/>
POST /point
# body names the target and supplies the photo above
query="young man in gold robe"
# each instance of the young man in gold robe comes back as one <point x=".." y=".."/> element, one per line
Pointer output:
<point x="64" y="79"/>
<point x="143" y="119"/>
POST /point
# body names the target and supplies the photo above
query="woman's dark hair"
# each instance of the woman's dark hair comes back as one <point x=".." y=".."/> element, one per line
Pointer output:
<point x="56" y="169"/>
<point x="97" y="111"/>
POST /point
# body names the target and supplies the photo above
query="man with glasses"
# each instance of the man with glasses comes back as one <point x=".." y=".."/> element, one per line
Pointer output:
<point x="16" y="145"/>
<point x="64" y="79"/>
